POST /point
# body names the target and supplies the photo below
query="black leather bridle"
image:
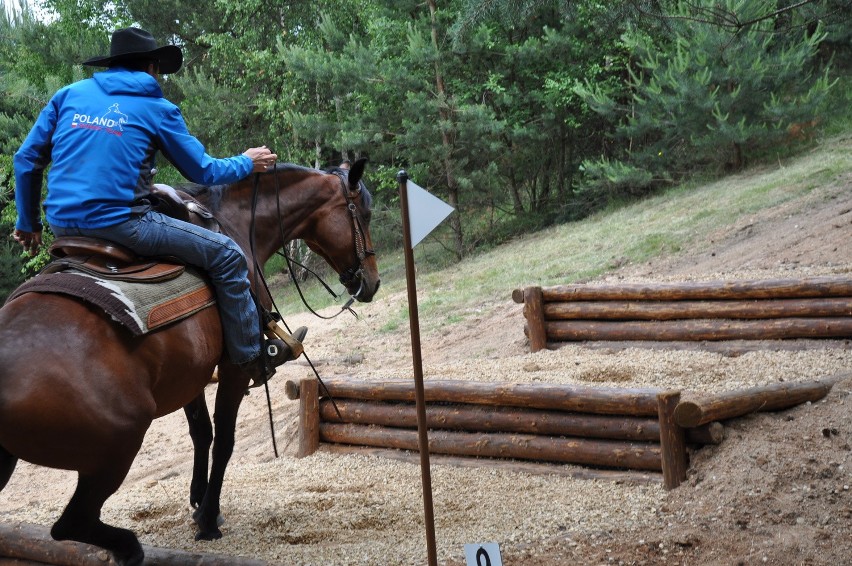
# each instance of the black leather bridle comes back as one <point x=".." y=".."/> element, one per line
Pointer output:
<point x="362" y="252"/>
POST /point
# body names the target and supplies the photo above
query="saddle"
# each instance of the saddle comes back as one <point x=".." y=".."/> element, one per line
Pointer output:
<point x="182" y="206"/>
<point x="141" y="293"/>
<point x="108" y="260"/>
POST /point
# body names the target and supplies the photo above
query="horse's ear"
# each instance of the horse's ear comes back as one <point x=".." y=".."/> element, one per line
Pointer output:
<point x="356" y="172"/>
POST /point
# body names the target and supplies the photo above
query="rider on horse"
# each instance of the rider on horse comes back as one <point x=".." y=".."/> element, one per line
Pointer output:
<point x="101" y="135"/>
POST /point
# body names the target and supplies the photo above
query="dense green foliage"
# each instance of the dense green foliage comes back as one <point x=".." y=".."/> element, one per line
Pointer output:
<point x="10" y="260"/>
<point x="702" y="97"/>
<point x="520" y="113"/>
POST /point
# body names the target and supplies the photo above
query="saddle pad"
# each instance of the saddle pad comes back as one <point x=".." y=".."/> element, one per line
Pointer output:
<point x="139" y="307"/>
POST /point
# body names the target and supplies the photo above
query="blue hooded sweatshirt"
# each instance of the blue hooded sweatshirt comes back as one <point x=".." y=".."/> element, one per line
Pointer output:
<point x="101" y="135"/>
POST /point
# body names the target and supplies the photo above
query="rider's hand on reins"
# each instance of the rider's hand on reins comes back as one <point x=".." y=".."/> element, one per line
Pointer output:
<point x="261" y="157"/>
<point x="31" y="241"/>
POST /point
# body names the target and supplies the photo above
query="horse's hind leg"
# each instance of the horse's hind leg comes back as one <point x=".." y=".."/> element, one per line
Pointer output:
<point x="7" y="466"/>
<point x="81" y="519"/>
<point x="201" y="432"/>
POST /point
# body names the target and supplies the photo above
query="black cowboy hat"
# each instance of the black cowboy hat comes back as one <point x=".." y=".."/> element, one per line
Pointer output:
<point x="134" y="43"/>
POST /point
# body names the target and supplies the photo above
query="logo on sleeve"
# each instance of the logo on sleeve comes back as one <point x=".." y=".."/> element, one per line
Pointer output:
<point x="112" y="121"/>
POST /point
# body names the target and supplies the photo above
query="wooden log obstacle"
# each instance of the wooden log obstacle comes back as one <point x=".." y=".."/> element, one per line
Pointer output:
<point x="646" y="430"/>
<point x="818" y="307"/>
<point x="23" y="544"/>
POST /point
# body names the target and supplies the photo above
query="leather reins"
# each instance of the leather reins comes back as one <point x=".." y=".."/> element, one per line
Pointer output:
<point x="361" y="252"/>
<point x="350" y="274"/>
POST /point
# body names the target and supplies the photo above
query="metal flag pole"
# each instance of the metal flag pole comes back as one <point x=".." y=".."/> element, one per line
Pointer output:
<point x="419" y="393"/>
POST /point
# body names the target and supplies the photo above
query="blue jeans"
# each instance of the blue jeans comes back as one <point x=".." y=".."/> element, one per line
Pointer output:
<point x="154" y="234"/>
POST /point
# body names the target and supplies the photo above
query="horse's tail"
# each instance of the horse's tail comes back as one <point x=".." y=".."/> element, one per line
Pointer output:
<point x="7" y="466"/>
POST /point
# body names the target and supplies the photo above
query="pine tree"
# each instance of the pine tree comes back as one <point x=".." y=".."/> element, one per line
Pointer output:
<point x="708" y="96"/>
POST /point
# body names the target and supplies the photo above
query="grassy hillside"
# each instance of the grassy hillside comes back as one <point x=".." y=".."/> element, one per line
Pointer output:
<point x="677" y="220"/>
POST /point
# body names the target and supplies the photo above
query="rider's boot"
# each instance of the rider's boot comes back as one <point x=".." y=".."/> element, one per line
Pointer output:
<point x="277" y="352"/>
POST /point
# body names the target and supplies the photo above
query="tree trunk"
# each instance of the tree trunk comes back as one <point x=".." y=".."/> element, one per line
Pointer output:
<point x="517" y="204"/>
<point x="447" y="138"/>
<point x="317" y="139"/>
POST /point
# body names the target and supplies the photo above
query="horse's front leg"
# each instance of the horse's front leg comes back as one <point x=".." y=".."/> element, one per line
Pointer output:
<point x="81" y="519"/>
<point x="7" y="466"/>
<point x="201" y="432"/>
<point x="231" y="390"/>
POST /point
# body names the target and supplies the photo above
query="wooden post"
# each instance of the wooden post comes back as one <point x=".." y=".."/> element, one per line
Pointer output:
<point x="417" y="364"/>
<point x="291" y="390"/>
<point x="672" y="441"/>
<point x="308" y="417"/>
<point x="534" y="313"/>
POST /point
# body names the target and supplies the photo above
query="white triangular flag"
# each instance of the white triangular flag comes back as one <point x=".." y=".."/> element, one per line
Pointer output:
<point x="425" y="212"/>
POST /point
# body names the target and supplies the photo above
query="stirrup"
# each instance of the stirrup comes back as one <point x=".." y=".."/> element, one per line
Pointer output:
<point x="274" y="329"/>
<point x="277" y="352"/>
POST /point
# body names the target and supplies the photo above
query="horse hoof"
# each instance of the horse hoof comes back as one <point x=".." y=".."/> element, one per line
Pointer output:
<point x="215" y="534"/>
<point x="135" y="560"/>
<point x="220" y="520"/>
<point x="205" y="532"/>
<point x="135" y="556"/>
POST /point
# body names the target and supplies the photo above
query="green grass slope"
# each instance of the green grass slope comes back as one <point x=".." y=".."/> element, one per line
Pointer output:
<point x="679" y="219"/>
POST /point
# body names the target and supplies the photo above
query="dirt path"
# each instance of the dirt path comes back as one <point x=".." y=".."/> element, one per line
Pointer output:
<point x="778" y="490"/>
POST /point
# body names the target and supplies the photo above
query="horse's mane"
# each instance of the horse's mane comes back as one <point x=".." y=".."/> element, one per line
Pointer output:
<point x="211" y="196"/>
<point x="294" y="167"/>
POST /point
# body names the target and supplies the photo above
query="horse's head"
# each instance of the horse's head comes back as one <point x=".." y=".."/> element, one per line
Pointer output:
<point x="341" y="233"/>
<point x="328" y="210"/>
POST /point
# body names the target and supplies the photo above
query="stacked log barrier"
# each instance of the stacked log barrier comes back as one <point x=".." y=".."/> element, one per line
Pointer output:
<point x="602" y="428"/>
<point x="641" y="429"/>
<point x="775" y="309"/>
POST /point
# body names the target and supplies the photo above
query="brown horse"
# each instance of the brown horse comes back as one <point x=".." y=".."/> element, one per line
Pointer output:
<point x="78" y="392"/>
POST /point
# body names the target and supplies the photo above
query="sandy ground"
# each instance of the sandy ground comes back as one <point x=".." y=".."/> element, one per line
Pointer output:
<point x="778" y="490"/>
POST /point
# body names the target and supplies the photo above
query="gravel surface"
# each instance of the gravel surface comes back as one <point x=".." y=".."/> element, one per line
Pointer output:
<point x="776" y="491"/>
